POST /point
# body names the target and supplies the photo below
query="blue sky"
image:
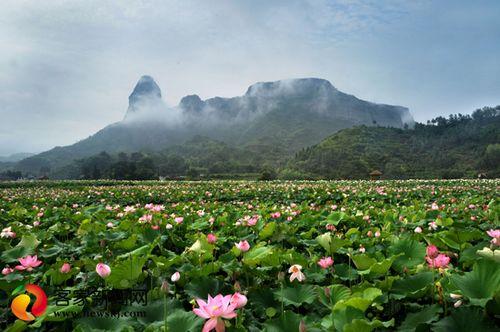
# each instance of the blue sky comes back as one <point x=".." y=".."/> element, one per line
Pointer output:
<point x="67" y="68"/>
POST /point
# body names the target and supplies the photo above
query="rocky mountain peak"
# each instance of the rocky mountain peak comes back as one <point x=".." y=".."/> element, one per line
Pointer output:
<point x="146" y="87"/>
<point x="191" y="104"/>
<point x="146" y="93"/>
<point x="300" y="86"/>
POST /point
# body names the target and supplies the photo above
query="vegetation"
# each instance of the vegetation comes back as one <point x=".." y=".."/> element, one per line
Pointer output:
<point x="461" y="146"/>
<point x="290" y="256"/>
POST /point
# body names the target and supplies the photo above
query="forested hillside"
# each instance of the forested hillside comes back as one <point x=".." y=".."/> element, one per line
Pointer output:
<point x="460" y="146"/>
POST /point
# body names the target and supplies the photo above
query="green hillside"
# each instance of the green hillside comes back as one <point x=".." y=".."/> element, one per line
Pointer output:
<point x="460" y="146"/>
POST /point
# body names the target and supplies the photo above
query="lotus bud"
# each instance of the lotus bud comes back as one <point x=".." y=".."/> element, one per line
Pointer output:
<point x="328" y="292"/>
<point x="175" y="277"/>
<point x="103" y="270"/>
<point x="65" y="268"/>
<point x="165" y="287"/>
<point x="302" y="326"/>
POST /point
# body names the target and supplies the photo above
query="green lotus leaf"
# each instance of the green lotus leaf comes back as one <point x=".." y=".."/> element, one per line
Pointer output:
<point x="413" y="286"/>
<point x="267" y="231"/>
<point x="364" y="325"/>
<point x="481" y="284"/>
<point x="335" y="294"/>
<point x="256" y="255"/>
<point x="411" y="253"/>
<point x="296" y="296"/>
<point x="423" y="317"/>
<point x="289" y="322"/>
<point x="465" y="319"/>
<point x="201" y="287"/>
<point x="126" y="273"/>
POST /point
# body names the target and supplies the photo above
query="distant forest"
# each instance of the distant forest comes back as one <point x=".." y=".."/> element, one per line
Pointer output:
<point x="460" y="146"/>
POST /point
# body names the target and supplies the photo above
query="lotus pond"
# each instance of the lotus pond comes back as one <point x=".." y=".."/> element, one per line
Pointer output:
<point x="252" y="256"/>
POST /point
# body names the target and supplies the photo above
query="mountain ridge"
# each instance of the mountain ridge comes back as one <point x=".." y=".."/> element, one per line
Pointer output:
<point x="287" y="114"/>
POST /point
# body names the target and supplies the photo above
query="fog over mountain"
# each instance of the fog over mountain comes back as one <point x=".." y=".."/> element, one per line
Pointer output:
<point x="282" y="116"/>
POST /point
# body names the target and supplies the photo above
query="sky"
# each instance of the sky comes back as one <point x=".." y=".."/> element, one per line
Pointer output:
<point x="68" y="67"/>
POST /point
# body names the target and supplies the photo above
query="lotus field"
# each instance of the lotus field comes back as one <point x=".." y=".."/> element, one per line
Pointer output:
<point x="252" y="256"/>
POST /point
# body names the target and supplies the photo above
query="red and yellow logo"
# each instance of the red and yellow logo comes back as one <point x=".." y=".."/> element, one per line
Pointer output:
<point x="22" y="301"/>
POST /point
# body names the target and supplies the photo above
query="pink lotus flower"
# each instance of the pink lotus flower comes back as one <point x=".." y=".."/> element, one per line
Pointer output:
<point x="239" y="299"/>
<point x="243" y="245"/>
<point x="28" y="263"/>
<point x="296" y="272"/>
<point x="432" y="251"/>
<point x="157" y="208"/>
<point x="252" y="221"/>
<point x="330" y="227"/>
<point x="325" y="262"/>
<point x="7" y="233"/>
<point x="377" y="234"/>
<point x="146" y="218"/>
<point x="441" y="261"/>
<point x="103" y="270"/>
<point x="129" y="209"/>
<point x="65" y="268"/>
<point x="175" y="277"/>
<point x="7" y="270"/>
<point x="211" y="238"/>
<point x="179" y="220"/>
<point x="418" y="230"/>
<point x="495" y="234"/>
<point x="275" y="215"/>
<point x="214" y="310"/>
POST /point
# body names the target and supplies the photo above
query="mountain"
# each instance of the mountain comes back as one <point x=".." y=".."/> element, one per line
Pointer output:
<point x="461" y="146"/>
<point x="15" y="157"/>
<point x="271" y="118"/>
<point x="145" y="98"/>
